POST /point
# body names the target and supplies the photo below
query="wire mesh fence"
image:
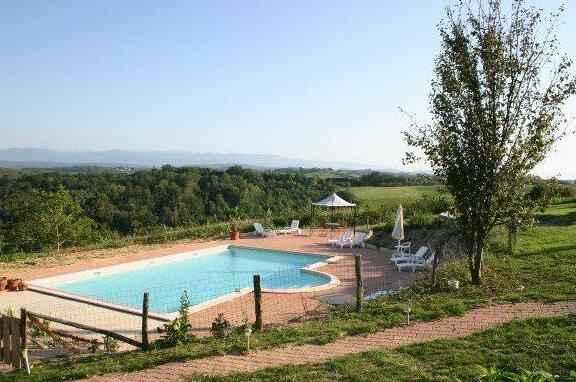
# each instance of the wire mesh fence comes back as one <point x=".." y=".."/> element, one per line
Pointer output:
<point x="290" y="293"/>
<point x="287" y="293"/>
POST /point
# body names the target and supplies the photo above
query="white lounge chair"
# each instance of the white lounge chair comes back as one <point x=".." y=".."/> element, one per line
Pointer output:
<point x="419" y="255"/>
<point x="294" y="228"/>
<point x="417" y="265"/>
<point x="342" y="240"/>
<point x="260" y="231"/>
<point x="360" y="238"/>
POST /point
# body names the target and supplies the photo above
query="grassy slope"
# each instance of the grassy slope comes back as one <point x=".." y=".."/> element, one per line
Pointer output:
<point x="545" y="259"/>
<point x="545" y="264"/>
<point x="374" y="196"/>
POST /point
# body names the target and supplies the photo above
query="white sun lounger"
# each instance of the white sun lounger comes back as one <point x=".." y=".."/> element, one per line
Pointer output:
<point x="419" y="255"/>
<point x="342" y="240"/>
<point x="417" y="265"/>
<point x="360" y="239"/>
<point x="260" y="231"/>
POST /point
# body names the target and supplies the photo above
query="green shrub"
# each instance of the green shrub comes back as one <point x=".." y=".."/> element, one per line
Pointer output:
<point x="220" y="326"/>
<point x="176" y="332"/>
<point x="110" y="344"/>
<point x="422" y="220"/>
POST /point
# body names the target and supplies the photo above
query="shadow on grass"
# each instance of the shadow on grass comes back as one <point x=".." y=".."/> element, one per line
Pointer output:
<point x="545" y="251"/>
<point x="557" y="220"/>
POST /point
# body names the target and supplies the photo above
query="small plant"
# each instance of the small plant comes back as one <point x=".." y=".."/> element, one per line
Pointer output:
<point x="520" y="290"/>
<point x="220" y="327"/>
<point x="94" y="345"/>
<point x="110" y="344"/>
<point x="9" y="312"/>
<point x="176" y="332"/>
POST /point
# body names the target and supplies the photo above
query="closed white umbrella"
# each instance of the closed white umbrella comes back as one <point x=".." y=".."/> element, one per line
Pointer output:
<point x="398" y="231"/>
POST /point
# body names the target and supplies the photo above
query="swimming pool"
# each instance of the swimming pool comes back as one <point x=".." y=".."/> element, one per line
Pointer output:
<point x="205" y="275"/>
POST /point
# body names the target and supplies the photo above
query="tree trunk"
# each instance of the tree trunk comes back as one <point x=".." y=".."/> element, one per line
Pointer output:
<point x="511" y="240"/>
<point x="471" y="256"/>
<point x="435" y="269"/>
<point x="57" y="239"/>
<point x="476" y="264"/>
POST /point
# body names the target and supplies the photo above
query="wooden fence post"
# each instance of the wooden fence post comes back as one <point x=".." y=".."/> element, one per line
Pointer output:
<point x="6" y="338"/>
<point x="257" y="302"/>
<point x="15" y="339"/>
<point x="359" y="284"/>
<point x="23" y="330"/>
<point x="145" y="308"/>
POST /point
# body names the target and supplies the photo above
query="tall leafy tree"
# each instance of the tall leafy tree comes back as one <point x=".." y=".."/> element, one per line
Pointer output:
<point x="51" y="219"/>
<point x="520" y="213"/>
<point x="496" y="104"/>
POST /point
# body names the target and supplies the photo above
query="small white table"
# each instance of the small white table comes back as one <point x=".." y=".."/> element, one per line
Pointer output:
<point x="403" y="248"/>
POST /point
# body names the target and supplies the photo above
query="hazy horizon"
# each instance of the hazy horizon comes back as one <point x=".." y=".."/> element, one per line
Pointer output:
<point x="319" y="80"/>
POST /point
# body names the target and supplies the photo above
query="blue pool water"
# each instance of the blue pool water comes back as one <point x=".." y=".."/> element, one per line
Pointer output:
<point x="203" y="278"/>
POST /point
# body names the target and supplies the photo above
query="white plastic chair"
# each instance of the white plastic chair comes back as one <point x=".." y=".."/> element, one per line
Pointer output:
<point x="294" y="228"/>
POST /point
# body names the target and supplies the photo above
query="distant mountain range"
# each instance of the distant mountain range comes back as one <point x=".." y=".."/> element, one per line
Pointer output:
<point x="47" y="158"/>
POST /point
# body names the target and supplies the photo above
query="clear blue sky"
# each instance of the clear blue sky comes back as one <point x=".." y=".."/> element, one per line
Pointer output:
<point x="314" y="79"/>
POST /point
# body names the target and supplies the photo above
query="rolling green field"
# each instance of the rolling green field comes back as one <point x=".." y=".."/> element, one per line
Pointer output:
<point x="374" y="196"/>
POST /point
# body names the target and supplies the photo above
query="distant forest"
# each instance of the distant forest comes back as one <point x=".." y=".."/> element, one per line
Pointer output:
<point x="48" y="209"/>
<point x="383" y="179"/>
<point x="365" y="177"/>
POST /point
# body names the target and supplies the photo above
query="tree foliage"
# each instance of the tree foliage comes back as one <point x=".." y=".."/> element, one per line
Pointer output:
<point x="379" y="179"/>
<point x="496" y="104"/>
<point x="50" y="220"/>
<point x="53" y="208"/>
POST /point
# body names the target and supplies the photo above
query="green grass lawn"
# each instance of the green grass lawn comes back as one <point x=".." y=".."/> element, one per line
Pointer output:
<point x="375" y="196"/>
<point x="545" y="264"/>
<point x="562" y="214"/>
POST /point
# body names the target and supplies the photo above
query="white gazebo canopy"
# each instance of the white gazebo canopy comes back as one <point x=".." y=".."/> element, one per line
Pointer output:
<point x="334" y="201"/>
